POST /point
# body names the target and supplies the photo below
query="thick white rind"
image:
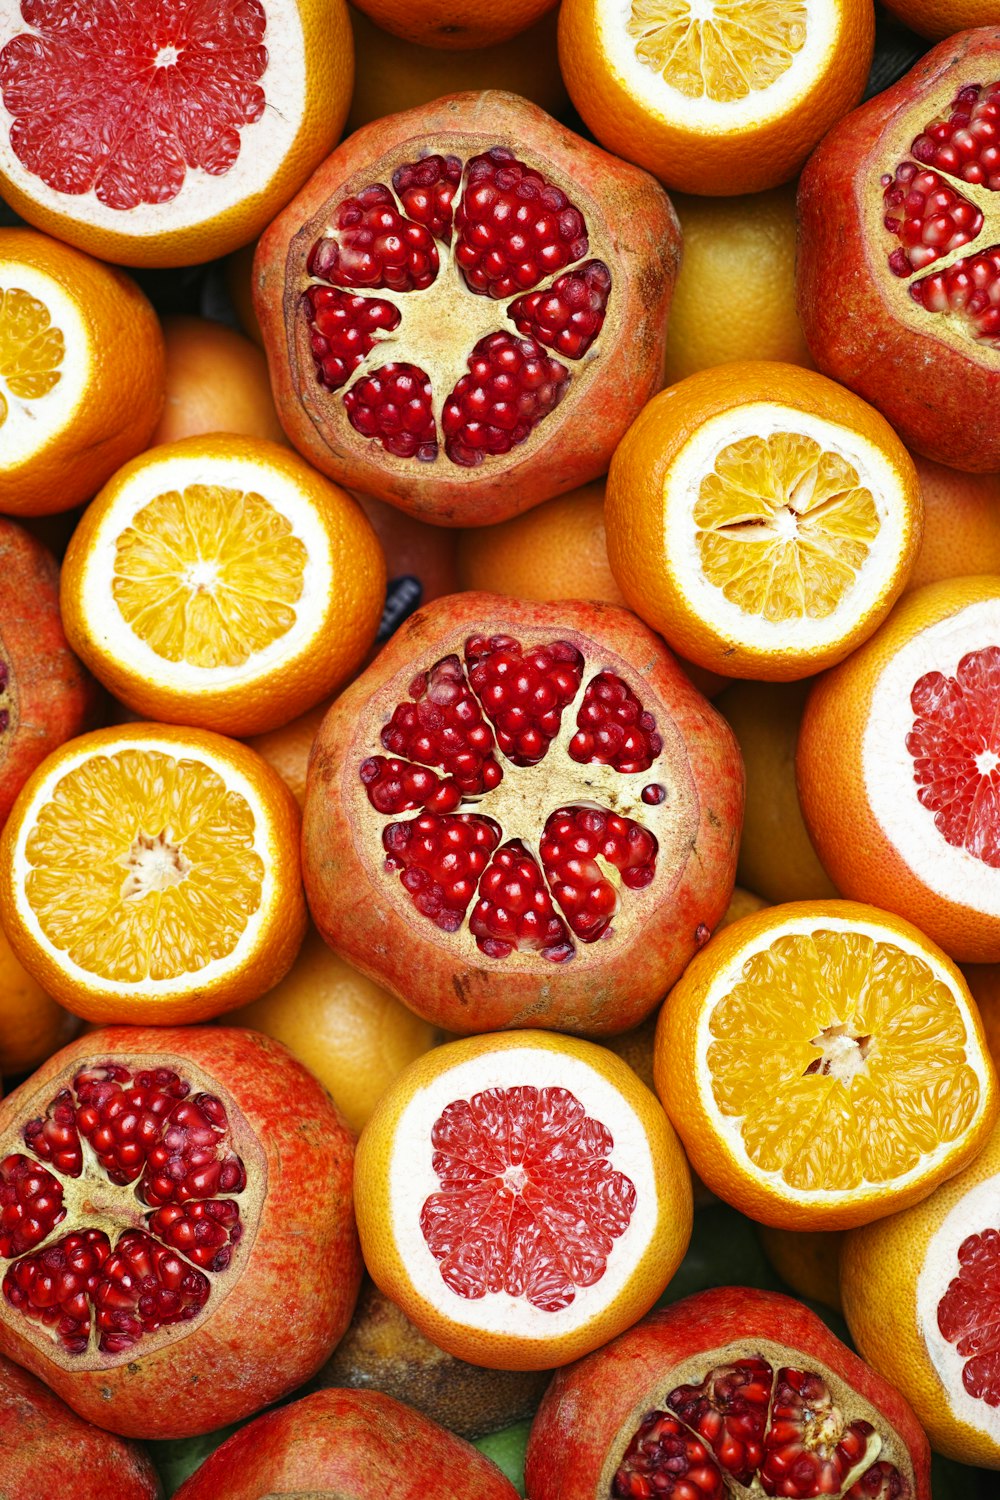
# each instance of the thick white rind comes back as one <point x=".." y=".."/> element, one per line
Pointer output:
<point x="412" y="1180"/>
<point x="32" y="422"/>
<point x="887" y="765"/>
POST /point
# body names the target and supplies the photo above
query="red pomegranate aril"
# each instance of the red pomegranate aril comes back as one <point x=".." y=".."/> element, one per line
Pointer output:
<point x="965" y="144"/>
<point x="575" y="838"/>
<point x="809" y="1450"/>
<point x="928" y="216"/>
<point x="393" y="404"/>
<point x="444" y="727"/>
<point x="55" y="1286"/>
<point x="570" y="314"/>
<point x="144" y="1286"/>
<point x="426" y="189"/>
<point x="202" y="1232"/>
<point x="523" y="694"/>
<point x="31" y="1205"/>
<point x="970" y="286"/>
<point x="515" y="910"/>
<point x="665" y="1460"/>
<point x="729" y="1411"/>
<point x="373" y="245"/>
<point x="614" y="730"/>
<point x="55" y="1139"/>
<point x="512" y="384"/>
<point x="394" y="786"/>
<point x="344" y="329"/>
<point x="441" y="860"/>
<point x="512" y="227"/>
<point x="882" y="1481"/>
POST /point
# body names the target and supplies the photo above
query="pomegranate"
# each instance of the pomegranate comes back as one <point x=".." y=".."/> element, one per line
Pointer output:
<point x="46" y="694"/>
<point x="466" y="306"/>
<point x="899" y="252"/>
<point x="177" y="1239"/>
<point x="43" y="1445"/>
<point x="522" y="814"/>
<point x="351" y="1445"/>
<point x="731" y="1392"/>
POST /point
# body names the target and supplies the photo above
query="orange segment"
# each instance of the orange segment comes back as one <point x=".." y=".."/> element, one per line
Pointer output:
<point x="737" y="47"/>
<point x="31" y="350"/>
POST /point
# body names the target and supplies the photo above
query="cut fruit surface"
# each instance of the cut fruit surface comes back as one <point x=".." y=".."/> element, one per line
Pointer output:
<point x="732" y="50"/>
<point x="823" y="1063"/>
<point x="520" y="1197"/>
<point x="31" y="349"/>
<point x="150" y="872"/>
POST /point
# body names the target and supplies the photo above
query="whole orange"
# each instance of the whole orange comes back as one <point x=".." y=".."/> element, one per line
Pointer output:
<point x="32" y="1025"/>
<point x="217" y="381"/>
<point x="454" y="24"/>
<point x="961" y="524"/>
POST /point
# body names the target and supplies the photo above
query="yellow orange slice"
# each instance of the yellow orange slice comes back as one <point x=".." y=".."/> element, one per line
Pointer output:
<point x="824" y="1064"/>
<point x="722" y="52"/>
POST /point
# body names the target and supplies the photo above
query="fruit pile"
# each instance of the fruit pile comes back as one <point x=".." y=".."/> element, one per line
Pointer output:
<point x="499" y="749"/>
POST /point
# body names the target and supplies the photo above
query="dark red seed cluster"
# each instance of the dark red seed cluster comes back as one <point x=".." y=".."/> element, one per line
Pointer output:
<point x="373" y="245"/>
<point x="515" y="910"/>
<point x="614" y="729"/>
<point x="523" y="693"/>
<point x="442" y="725"/>
<point x="966" y="143"/>
<point x="31" y="1205"/>
<point x="971" y="286"/>
<point x="393" y="404"/>
<point x="569" y="316"/>
<point x="343" y="329"/>
<point x="665" y="1461"/>
<point x="426" y="189"/>
<point x="511" y="385"/>
<point x="729" y="1411"/>
<point x="574" y="840"/>
<point x="441" y="860"/>
<point x="928" y="216"/>
<point x="807" y="1451"/>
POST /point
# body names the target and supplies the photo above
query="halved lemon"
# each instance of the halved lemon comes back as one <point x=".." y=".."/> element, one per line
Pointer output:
<point x="151" y="874"/>
<point x="824" y="1065"/>
<point x="762" y="518"/>
<point x="220" y="581"/>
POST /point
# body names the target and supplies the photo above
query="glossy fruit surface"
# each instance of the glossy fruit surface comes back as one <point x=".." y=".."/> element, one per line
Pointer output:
<point x="521" y="814"/>
<point x="216" y="382"/>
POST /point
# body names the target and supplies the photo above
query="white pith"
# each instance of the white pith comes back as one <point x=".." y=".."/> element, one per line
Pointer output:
<point x="976" y="1210"/>
<point x="31" y="422"/>
<point x="203" y="197"/>
<point x="115" y="638"/>
<point x="727" y="620"/>
<point x="265" y="845"/>
<point x="728" y="1127"/>
<point x="824" y="26"/>
<point x="412" y="1180"/>
<point x="887" y="766"/>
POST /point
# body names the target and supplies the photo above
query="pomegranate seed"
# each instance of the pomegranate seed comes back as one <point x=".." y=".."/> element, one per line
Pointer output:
<point x="664" y="1460"/>
<point x="573" y="841"/>
<point x="570" y="314"/>
<point x="426" y="189"/>
<point x="515" y="910"/>
<point x="393" y="405"/>
<point x="444" y="727"/>
<point x="613" y="728"/>
<point x="31" y="1205"/>
<point x="344" y="329"/>
<point x="511" y="386"/>
<point x="373" y="245"/>
<point x="523" y="693"/>
<point x="729" y="1411"/>
<point x="441" y="860"/>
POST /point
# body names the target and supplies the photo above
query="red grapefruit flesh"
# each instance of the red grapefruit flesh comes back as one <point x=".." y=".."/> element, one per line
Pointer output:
<point x="955" y="745"/>
<point x="122" y="97"/>
<point x="969" y="1314"/>
<point x="529" y="1203"/>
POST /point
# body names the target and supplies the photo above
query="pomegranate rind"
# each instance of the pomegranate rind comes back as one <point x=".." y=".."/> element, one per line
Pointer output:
<point x="497" y="1331"/>
<point x="838" y="746"/>
<point x="49" y="695"/>
<point x="631" y="227"/>
<point x="363" y="914"/>
<point x="591" y="1410"/>
<point x="348" y="1444"/>
<point x="279" y="1322"/>
<point x="893" y="1276"/>
<point x="941" y="394"/>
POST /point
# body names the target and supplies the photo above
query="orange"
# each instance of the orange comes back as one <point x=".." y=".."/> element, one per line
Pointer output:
<point x="392" y="74"/>
<point x="920" y="1295"/>
<point x="238" y="271"/>
<point x="961" y="524"/>
<point x="735" y="294"/>
<point x="217" y="381"/>
<point x="32" y="1025"/>
<point x="762" y="518"/>
<point x="454" y="24"/>
<point x="715" y="96"/>
<point x="355" y="1037"/>
<point x="150" y="874"/>
<point x="898" y="767"/>
<point x="81" y="373"/>
<point x="208" y="127"/>
<point x="287" y="749"/>
<point x="522" y="1197"/>
<point x="776" y="857"/>
<point x="984" y="982"/>
<point x="824" y="1065"/>
<point x="809" y="1261"/>
<point x="221" y="582"/>
<point x="413" y="549"/>
<point x="937" y="19"/>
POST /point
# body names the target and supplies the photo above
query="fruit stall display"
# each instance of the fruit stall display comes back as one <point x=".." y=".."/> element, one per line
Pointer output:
<point x="499" y="749"/>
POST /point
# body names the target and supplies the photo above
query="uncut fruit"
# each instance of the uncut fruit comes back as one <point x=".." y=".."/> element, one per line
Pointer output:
<point x="43" y="1444"/>
<point x="900" y="200"/>
<point x="920" y="1294"/>
<point x="162" y="135"/>
<point x="177" y="1241"/>
<point x="46" y="694"/>
<point x="455" y="24"/>
<point x="522" y="814"/>
<point x="733" y="1392"/>
<point x="353" y="1445"/>
<point x="465" y="307"/>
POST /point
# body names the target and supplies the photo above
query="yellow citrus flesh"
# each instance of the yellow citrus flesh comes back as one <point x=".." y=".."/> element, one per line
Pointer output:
<point x="143" y="866"/>
<point x="783" y="526"/>
<point x="844" y="1059"/>
<point x="31" y="349"/>
<point x="739" y="48"/>
<point x="203" y="595"/>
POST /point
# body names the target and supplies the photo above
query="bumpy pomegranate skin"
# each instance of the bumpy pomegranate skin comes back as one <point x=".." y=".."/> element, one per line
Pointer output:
<point x="522" y="815"/>
<point x="728" y="1392"/>
<point x="899" y="252"/>
<point x="177" y="1237"/>
<point x="46" y="693"/>
<point x="465" y="307"/>
<point x="353" y="1445"/>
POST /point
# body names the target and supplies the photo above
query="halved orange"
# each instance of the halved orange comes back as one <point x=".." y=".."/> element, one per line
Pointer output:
<point x="522" y="1197"/>
<point x="151" y="874"/>
<point x="220" y="581"/>
<point x="824" y="1064"/>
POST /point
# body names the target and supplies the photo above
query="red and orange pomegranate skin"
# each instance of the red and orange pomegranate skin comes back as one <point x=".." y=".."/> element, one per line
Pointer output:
<point x="465" y="307"/>
<point x="898" y="265"/>
<point x="682" y="1396"/>
<point x="522" y="815"/>
<point x="206" y="1262"/>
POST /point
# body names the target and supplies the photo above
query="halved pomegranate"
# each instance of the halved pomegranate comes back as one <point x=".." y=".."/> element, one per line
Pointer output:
<point x="899" y="252"/>
<point x="522" y="815"/>
<point x="466" y="306"/>
<point x="177" y="1238"/>
<point x="733" y="1392"/>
